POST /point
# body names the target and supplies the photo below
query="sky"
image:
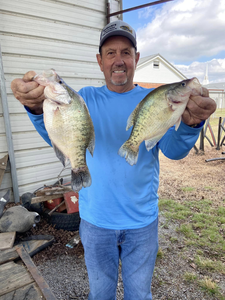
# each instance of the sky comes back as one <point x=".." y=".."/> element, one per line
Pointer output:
<point x="190" y="34"/>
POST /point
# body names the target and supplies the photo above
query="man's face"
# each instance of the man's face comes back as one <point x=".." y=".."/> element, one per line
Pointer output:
<point x="118" y="63"/>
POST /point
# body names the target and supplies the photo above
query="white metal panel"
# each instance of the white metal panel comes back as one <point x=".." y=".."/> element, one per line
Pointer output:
<point x="15" y="64"/>
<point x="21" y="45"/>
<point x="92" y="4"/>
<point x="2" y="125"/>
<point x="55" y="11"/>
<point x="3" y="145"/>
<point x="34" y="157"/>
<point x="37" y="35"/>
<point x="39" y="173"/>
<point x="21" y="123"/>
<point x="114" y="7"/>
<point x="28" y="140"/>
<point x="48" y="31"/>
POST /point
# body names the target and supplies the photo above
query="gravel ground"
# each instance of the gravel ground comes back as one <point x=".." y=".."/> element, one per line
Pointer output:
<point x="67" y="276"/>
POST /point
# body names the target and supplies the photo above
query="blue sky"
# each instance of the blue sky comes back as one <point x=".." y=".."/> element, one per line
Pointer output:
<point x="188" y="33"/>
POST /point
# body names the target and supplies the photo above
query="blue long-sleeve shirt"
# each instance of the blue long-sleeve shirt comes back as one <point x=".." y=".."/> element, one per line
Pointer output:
<point x="122" y="196"/>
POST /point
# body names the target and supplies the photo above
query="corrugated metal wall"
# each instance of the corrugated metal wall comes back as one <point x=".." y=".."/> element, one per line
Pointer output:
<point x="37" y="35"/>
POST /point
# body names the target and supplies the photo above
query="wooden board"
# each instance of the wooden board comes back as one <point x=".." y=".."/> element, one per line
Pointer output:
<point x="45" y="198"/>
<point x="29" y="291"/>
<point x="12" y="277"/>
<point x="7" y="240"/>
<point x="42" y="284"/>
<point x="31" y="246"/>
<point x="22" y="280"/>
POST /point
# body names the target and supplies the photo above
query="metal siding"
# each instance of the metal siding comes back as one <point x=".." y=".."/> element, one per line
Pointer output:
<point x="37" y="35"/>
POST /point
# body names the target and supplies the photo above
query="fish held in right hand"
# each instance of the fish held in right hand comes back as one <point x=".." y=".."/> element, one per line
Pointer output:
<point x="69" y="126"/>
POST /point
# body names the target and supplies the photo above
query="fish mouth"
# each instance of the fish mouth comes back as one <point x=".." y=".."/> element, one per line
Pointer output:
<point x="53" y="100"/>
<point x="175" y="101"/>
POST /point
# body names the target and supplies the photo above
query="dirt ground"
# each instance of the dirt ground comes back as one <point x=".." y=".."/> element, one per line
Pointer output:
<point x="207" y="181"/>
<point x="193" y="171"/>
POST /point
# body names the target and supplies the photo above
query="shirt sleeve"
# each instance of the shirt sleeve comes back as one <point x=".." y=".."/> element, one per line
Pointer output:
<point x="177" y="144"/>
<point x="38" y="122"/>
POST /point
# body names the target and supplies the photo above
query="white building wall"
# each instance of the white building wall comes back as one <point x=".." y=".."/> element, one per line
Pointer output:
<point x="38" y="35"/>
<point x="164" y="74"/>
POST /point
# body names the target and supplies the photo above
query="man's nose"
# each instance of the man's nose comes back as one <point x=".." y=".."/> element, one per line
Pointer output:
<point x="118" y="60"/>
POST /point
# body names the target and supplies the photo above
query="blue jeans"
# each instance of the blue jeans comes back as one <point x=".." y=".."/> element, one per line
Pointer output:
<point x="137" y="249"/>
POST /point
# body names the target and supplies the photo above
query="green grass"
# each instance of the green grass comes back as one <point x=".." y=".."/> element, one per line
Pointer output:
<point x="187" y="189"/>
<point x="206" y="284"/>
<point x="190" y="277"/>
<point x="210" y="287"/>
<point x="160" y="253"/>
<point x="209" y="264"/>
<point x="202" y="224"/>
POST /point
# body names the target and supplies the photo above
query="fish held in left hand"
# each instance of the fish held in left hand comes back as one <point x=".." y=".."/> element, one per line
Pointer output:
<point x="69" y="126"/>
<point x="161" y="109"/>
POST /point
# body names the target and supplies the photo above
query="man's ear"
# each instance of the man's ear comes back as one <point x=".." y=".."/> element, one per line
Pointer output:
<point x="137" y="56"/>
<point x="99" y="59"/>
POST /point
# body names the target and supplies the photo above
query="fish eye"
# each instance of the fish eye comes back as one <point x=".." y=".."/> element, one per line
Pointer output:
<point x="60" y="81"/>
<point x="183" y="84"/>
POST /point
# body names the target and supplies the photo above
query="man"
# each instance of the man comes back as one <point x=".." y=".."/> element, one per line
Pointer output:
<point x="119" y="212"/>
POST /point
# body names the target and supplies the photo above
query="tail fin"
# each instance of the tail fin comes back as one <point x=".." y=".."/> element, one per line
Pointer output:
<point x="80" y="178"/>
<point x="130" y="154"/>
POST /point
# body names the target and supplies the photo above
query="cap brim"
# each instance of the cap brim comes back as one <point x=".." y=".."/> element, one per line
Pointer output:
<point x="118" y="33"/>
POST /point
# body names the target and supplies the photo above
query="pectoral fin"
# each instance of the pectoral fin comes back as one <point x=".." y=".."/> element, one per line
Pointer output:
<point x="177" y="124"/>
<point x="91" y="145"/>
<point x="149" y="144"/>
<point x="60" y="155"/>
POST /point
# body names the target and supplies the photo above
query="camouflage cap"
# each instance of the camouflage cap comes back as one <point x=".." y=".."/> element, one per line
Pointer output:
<point x="118" y="28"/>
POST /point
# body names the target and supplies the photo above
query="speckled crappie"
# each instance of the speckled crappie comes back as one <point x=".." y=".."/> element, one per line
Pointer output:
<point x="161" y="109"/>
<point x="69" y="126"/>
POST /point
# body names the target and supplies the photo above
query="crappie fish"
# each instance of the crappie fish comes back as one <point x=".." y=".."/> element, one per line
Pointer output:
<point x="161" y="109"/>
<point x="69" y="126"/>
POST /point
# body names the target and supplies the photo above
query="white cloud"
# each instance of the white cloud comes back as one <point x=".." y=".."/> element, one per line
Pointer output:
<point x="216" y="70"/>
<point x="184" y="31"/>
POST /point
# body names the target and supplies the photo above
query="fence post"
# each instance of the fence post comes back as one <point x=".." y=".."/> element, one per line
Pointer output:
<point x="219" y="134"/>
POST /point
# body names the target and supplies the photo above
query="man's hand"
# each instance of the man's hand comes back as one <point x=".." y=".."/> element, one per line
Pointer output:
<point x="199" y="108"/>
<point x="29" y="92"/>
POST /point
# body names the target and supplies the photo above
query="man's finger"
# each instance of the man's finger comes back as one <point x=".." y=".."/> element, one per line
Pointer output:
<point x="35" y="94"/>
<point x="205" y="92"/>
<point x="19" y="86"/>
<point x="29" y="76"/>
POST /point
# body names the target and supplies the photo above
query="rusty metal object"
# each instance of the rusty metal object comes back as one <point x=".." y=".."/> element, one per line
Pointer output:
<point x="56" y="207"/>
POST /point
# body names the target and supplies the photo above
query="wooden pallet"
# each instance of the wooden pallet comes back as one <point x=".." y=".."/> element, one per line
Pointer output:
<point x="21" y="280"/>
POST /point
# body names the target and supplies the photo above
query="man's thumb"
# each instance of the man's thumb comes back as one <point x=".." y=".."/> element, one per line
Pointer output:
<point x="29" y="76"/>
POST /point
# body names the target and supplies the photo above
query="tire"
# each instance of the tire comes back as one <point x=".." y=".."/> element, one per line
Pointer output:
<point x="62" y="220"/>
